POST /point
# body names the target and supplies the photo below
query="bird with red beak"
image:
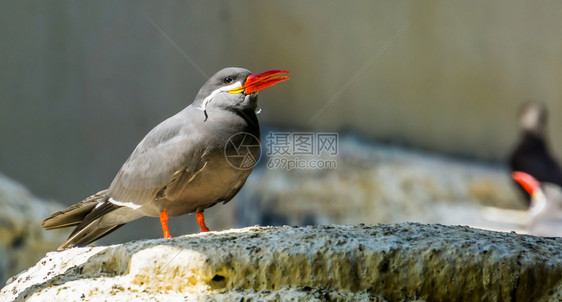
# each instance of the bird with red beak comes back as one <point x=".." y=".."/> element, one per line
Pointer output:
<point x="189" y="162"/>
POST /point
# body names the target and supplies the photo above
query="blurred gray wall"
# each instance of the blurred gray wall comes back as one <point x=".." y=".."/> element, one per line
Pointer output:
<point x="82" y="82"/>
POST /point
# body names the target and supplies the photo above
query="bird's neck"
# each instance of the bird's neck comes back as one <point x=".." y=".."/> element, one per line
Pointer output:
<point x="538" y="203"/>
<point x="533" y="140"/>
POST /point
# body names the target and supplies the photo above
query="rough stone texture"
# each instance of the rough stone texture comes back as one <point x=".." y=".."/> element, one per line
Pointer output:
<point x="22" y="241"/>
<point x="366" y="263"/>
<point x="378" y="183"/>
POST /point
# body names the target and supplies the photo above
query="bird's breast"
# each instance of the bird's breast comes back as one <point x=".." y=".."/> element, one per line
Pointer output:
<point x="217" y="181"/>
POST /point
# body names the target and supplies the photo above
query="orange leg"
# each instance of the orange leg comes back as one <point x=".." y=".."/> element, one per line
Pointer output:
<point x="201" y="220"/>
<point x="164" y="222"/>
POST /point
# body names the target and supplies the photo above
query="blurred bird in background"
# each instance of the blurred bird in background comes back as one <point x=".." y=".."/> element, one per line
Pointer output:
<point x="532" y="154"/>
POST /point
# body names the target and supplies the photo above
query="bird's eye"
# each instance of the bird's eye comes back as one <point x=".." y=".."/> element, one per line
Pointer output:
<point x="227" y="80"/>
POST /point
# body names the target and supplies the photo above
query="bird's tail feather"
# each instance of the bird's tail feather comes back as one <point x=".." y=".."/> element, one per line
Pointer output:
<point x="88" y="234"/>
<point x="74" y="214"/>
<point x="93" y="217"/>
<point x="100" y="221"/>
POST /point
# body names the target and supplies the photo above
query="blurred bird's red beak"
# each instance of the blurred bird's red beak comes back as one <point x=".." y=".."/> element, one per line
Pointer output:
<point x="260" y="81"/>
<point x="528" y="182"/>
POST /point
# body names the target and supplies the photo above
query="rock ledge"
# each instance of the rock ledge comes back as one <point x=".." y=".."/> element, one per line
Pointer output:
<point x="364" y="262"/>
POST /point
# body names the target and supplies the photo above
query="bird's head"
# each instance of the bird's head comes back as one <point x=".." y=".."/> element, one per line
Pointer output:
<point x="533" y="118"/>
<point x="236" y="88"/>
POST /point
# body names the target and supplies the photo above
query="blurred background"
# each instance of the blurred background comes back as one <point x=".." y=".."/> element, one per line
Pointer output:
<point x="424" y="98"/>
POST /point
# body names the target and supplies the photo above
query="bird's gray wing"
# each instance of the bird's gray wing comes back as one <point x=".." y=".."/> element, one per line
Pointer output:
<point x="168" y="152"/>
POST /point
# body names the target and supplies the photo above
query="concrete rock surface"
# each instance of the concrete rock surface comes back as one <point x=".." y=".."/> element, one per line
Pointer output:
<point x="323" y="263"/>
<point x="22" y="240"/>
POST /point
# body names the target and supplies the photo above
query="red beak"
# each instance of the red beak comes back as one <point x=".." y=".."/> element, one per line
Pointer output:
<point x="528" y="182"/>
<point x="263" y="80"/>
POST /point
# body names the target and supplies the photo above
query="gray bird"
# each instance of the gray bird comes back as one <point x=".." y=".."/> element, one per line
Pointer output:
<point x="532" y="154"/>
<point x="193" y="160"/>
